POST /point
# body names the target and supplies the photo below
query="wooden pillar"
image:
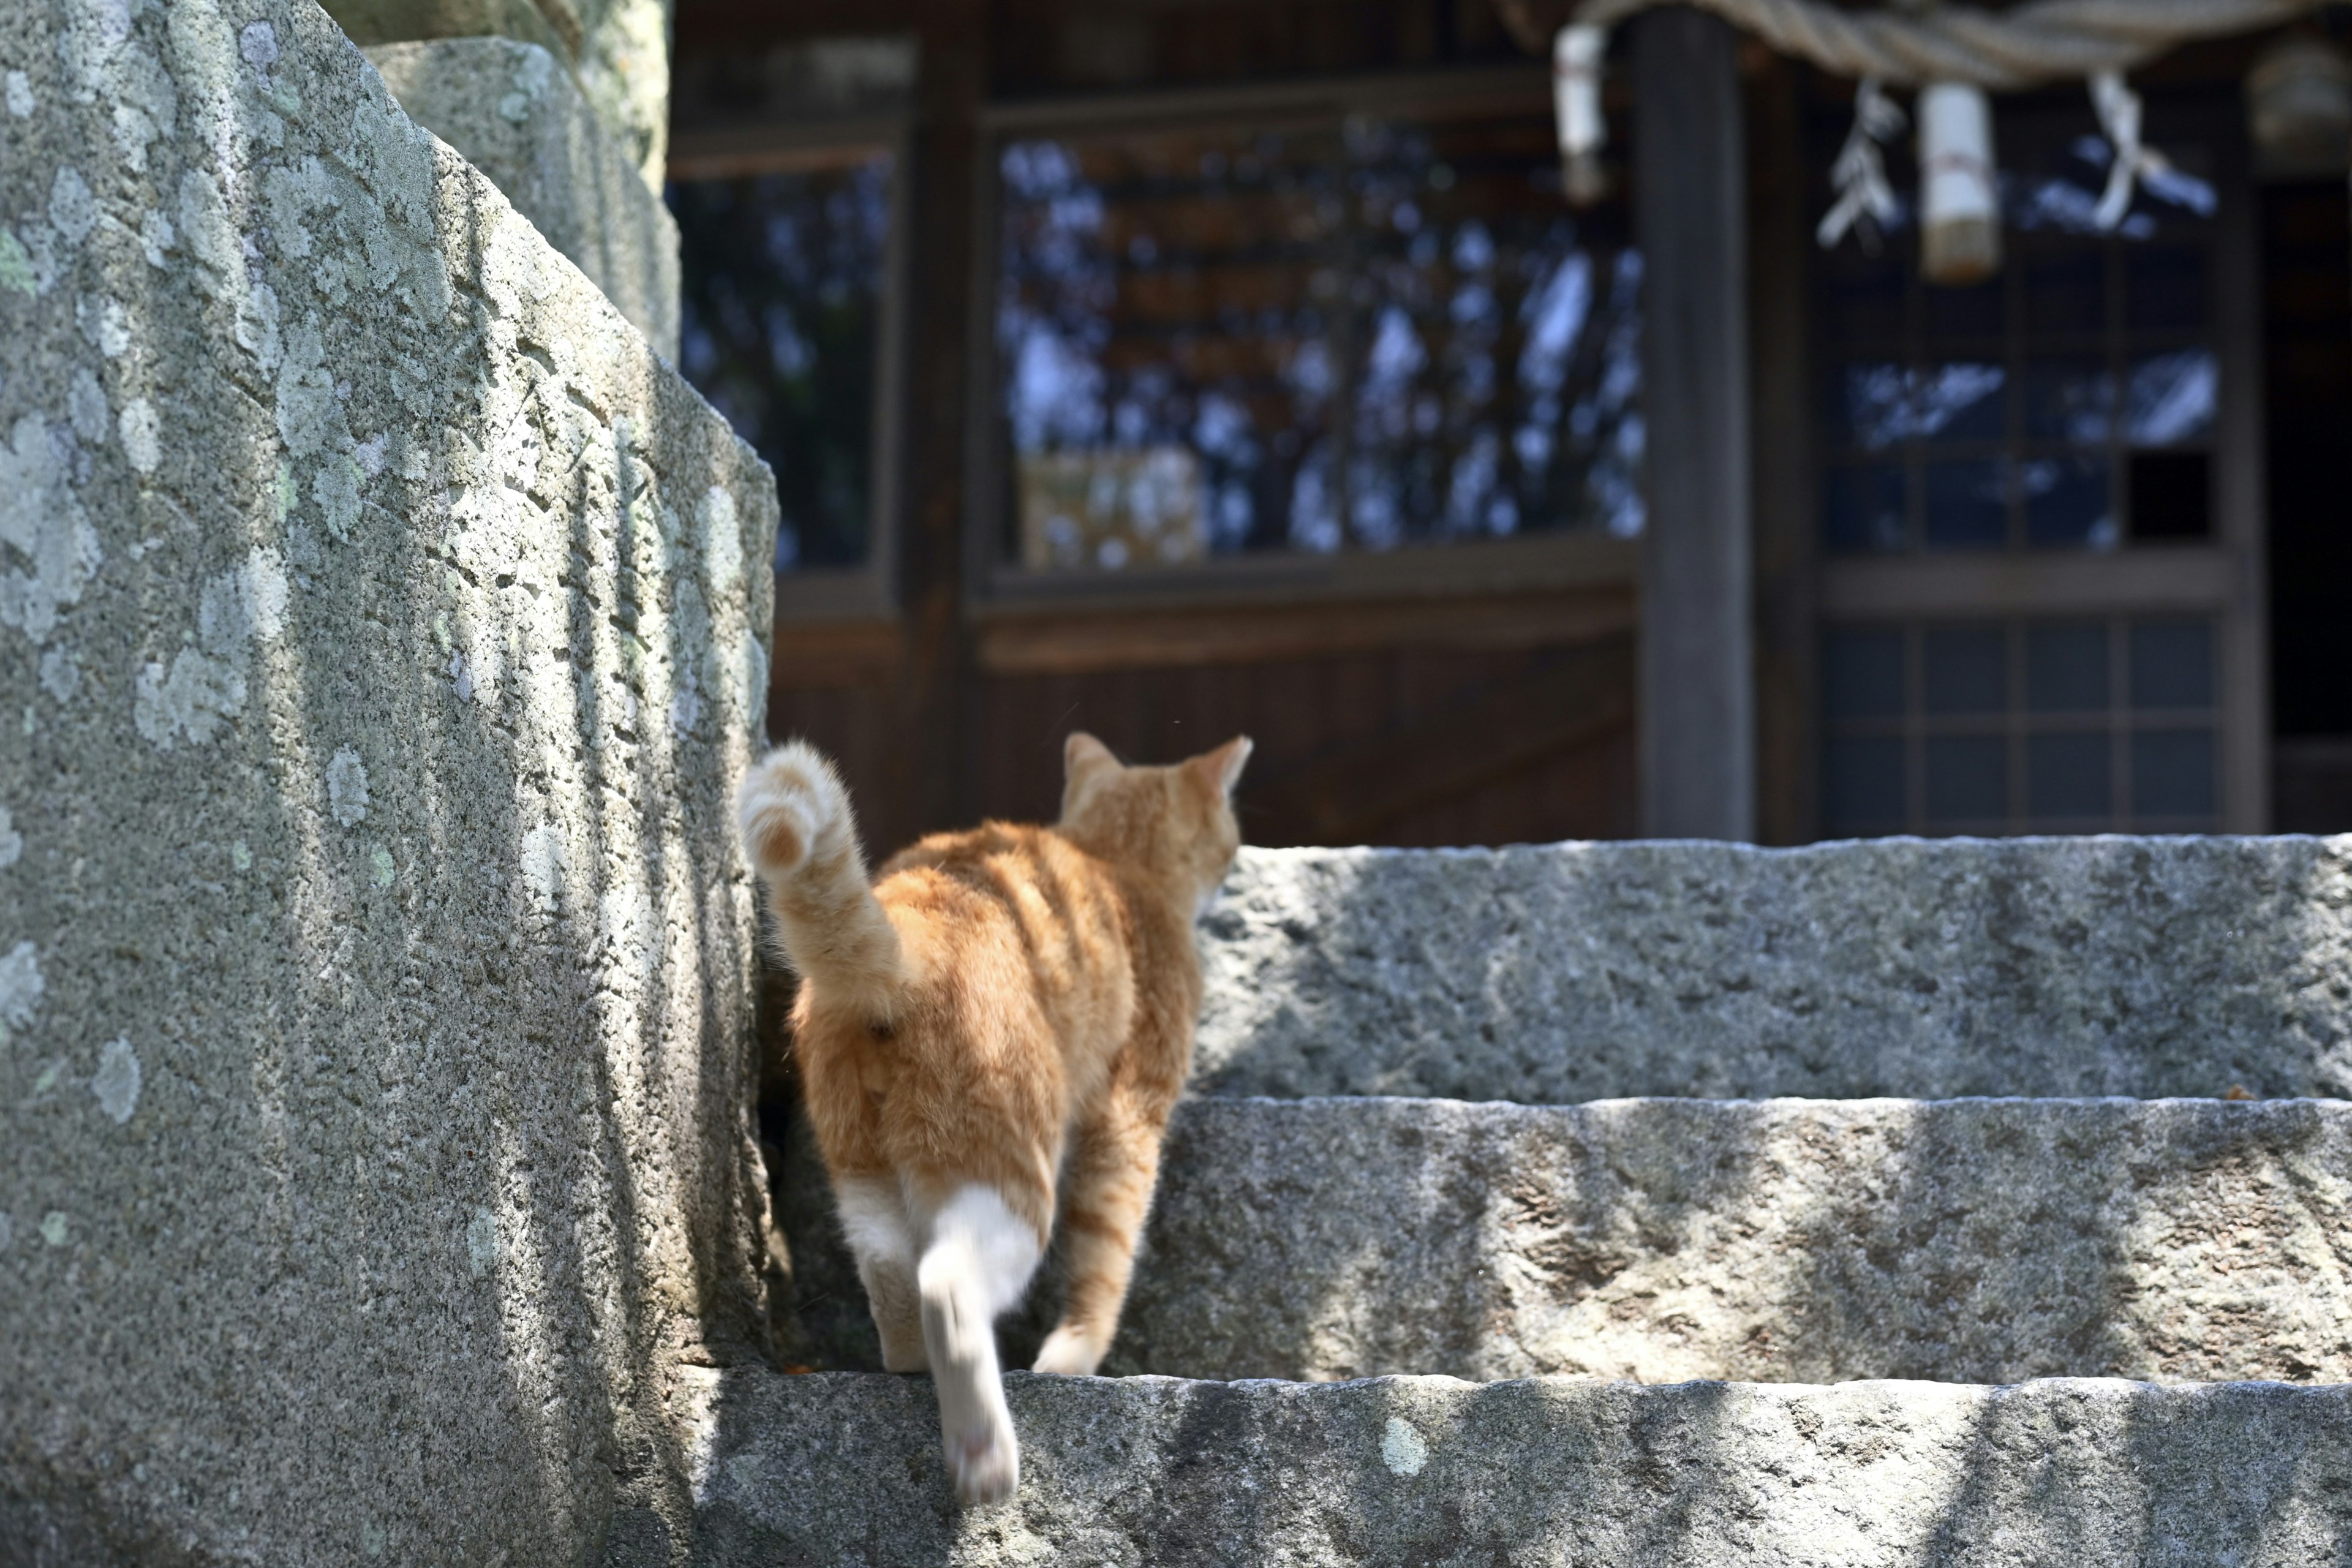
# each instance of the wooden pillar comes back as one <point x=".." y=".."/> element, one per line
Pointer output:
<point x="1699" y="703"/>
<point x="1779" y="246"/>
<point x="936" y="696"/>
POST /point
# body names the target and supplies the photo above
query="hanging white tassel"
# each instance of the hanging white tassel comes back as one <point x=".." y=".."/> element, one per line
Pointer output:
<point x="2119" y="116"/>
<point x="1860" y="172"/>
<point x="1576" y="55"/>
<point x="1960" y="203"/>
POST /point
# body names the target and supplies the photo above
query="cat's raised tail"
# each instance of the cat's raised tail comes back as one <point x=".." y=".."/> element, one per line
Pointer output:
<point x="802" y="838"/>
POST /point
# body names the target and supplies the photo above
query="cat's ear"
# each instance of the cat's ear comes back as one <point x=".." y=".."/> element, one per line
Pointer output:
<point x="1221" y="769"/>
<point x="1084" y="756"/>
<point x="1085" y="762"/>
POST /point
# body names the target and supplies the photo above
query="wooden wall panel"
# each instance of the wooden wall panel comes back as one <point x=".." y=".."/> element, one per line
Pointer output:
<point x="1406" y="746"/>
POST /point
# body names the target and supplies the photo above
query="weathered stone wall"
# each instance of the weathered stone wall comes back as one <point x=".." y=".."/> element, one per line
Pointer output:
<point x="511" y="111"/>
<point x="619" y="50"/>
<point x="382" y="631"/>
<point x="1569" y="971"/>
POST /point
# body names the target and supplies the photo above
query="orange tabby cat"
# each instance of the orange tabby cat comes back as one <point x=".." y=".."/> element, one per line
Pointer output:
<point x="1003" y="1012"/>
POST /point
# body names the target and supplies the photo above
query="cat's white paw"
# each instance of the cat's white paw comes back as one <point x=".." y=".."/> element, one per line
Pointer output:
<point x="985" y="1460"/>
<point x="790" y="799"/>
<point x="1068" y="1354"/>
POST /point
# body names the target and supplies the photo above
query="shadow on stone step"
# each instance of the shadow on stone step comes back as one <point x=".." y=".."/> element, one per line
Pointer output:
<point x="1973" y="1241"/>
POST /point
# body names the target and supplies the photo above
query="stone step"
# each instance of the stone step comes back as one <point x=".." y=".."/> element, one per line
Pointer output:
<point x="845" y="1468"/>
<point x="1980" y="1241"/>
<point x="1571" y="971"/>
<point x="1816" y="1241"/>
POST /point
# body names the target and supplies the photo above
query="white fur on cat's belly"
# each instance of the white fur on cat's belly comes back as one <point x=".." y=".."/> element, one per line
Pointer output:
<point x="979" y="1261"/>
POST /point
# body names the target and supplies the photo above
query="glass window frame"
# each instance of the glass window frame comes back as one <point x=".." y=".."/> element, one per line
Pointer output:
<point x="2118" y="720"/>
<point x="996" y="582"/>
<point x="869" y="590"/>
<point x="2220" y="577"/>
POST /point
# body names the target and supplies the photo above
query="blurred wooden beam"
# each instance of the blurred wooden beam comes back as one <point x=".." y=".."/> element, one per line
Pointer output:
<point x="1071" y="643"/>
<point x="1697" y="685"/>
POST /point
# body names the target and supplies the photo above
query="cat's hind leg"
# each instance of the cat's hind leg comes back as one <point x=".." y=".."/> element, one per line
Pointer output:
<point x="882" y="1239"/>
<point x="978" y="1262"/>
<point x="1114" y="1162"/>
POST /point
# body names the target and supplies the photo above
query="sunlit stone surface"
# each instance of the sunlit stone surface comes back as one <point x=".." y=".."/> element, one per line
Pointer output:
<point x="2055" y="966"/>
<point x="382" y="629"/>
<point x="1810" y="1241"/>
<point x="1410" y="1471"/>
<point x="511" y="109"/>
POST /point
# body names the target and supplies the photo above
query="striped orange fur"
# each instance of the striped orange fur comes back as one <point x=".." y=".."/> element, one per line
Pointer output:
<point x="1003" y="1015"/>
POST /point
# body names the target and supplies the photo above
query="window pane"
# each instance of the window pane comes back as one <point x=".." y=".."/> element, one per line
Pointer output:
<point x="781" y="321"/>
<point x="2172" y="773"/>
<point x="2164" y="288"/>
<point x="1862" y="300"/>
<point x="2170" y="397"/>
<point x="2066" y="293"/>
<point x="2066" y="667"/>
<point x="1862" y="673"/>
<point x="1960" y="401"/>
<point x="1967" y="506"/>
<point x="1964" y="315"/>
<point x="2171" y="664"/>
<point x="1862" y="510"/>
<point x="1324" y="337"/>
<point x="2171" y="495"/>
<point x="2066" y="504"/>
<point x="1966" y="670"/>
<point x="2053" y="185"/>
<point x="2069" y="400"/>
<point x="1862" y="783"/>
<point x="1868" y="406"/>
<point x="2066" y="776"/>
<point x="1967" y="778"/>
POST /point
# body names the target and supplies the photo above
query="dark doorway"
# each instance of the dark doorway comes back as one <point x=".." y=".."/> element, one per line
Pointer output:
<point x="2307" y="307"/>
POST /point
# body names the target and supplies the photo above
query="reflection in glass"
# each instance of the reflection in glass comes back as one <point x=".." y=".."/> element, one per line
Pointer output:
<point x="781" y="320"/>
<point x="2171" y="398"/>
<point x="1879" y="405"/>
<point x="1862" y="510"/>
<point x="1319" y="338"/>
<point x="1967" y="506"/>
<point x="1961" y="402"/>
<point x="2067" y="504"/>
<point x="2058" y="187"/>
<point x="1967" y="778"/>
<point x="2069" y="400"/>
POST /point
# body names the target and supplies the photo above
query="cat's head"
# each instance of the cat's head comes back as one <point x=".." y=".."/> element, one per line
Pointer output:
<point x="1177" y="819"/>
